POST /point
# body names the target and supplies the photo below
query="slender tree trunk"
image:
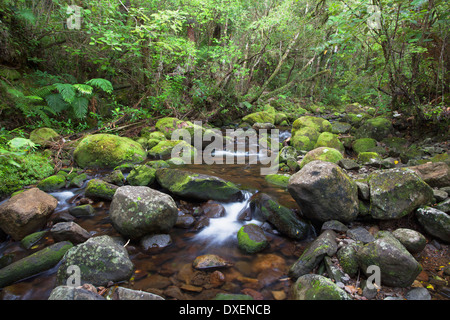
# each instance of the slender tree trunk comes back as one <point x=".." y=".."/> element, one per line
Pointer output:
<point x="276" y="71"/>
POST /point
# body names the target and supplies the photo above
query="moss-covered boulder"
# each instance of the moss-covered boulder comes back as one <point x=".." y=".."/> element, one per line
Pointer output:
<point x="196" y="186"/>
<point x="44" y="136"/>
<point x="142" y="175"/>
<point x="261" y="117"/>
<point x="369" y="158"/>
<point x="280" y="118"/>
<point x="397" y="266"/>
<point x="97" y="188"/>
<point x="348" y="259"/>
<point x="395" y="145"/>
<point x="173" y="148"/>
<point x="34" y="167"/>
<point x="304" y="138"/>
<point x="322" y="153"/>
<point x="52" y="183"/>
<point x="340" y="127"/>
<point x="330" y="140"/>
<point x="375" y="128"/>
<point x="168" y="125"/>
<point x="107" y="150"/>
<point x="317" y="287"/>
<point x="364" y="145"/>
<point x="396" y="192"/>
<point x="319" y="124"/>
<point x="100" y="260"/>
<point x="312" y="256"/>
<point x="136" y="211"/>
<point x="35" y="263"/>
<point x="251" y="238"/>
<point x="324" y="192"/>
<point x="265" y="208"/>
<point x="287" y="152"/>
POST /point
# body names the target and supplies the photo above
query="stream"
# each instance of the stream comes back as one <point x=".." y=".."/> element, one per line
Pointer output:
<point x="158" y="269"/>
<point x="167" y="271"/>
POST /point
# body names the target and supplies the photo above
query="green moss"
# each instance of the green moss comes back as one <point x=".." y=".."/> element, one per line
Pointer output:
<point x="33" y="167"/>
<point x="281" y="180"/>
<point x="367" y="157"/>
<point x="319" y="124"/>
<point x="364" y="144"/>
<point x="100" y="189"/>
<point x="164" y="149"/>
<point x="44" y="136"/>
<point x="328" y="139"/>
<point x="107" y="150"/>
<point x="52" y="183"/>
<point x="251" y="238"/>
<point x="197" y="186"/>
<point x="142" y="175"/>
<point x="259" y="117"/>
<point x="304" y="138"/>
<point x="31" y="239"/>
<point x="322" y="153"/>
<point x="169" y="124"/>
<point x="34" y="263"/>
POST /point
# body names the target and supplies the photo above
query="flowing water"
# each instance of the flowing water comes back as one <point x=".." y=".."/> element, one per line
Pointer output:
<point x="168" y="271"/>
<point x="158" y="269"/>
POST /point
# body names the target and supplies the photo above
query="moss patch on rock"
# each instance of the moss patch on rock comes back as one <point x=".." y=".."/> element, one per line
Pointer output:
<point x="107" y="150"/>
<point x="322" y="153"/>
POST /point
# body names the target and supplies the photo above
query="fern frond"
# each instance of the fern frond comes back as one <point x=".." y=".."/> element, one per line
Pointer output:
<point x="66" y="90"/>
<point x="80" y="106"/>
<point x="56" y="102"/>
<point x="83" y="88"/>
<point x="101" y="83"/>
<point x="43" y="91"/>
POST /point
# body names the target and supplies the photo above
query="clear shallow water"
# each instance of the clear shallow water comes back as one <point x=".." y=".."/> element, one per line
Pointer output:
<point x="219" y="238"/>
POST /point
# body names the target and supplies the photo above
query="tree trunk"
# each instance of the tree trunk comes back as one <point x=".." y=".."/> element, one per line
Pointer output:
<point x="276" y="71"/>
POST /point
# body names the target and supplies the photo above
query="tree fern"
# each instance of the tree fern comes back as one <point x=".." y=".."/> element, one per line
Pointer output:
<point x="100" y="83"/>
<point x="83" y="88"/>
<point x="66" y="90"/>
<point x="80" y="106"/>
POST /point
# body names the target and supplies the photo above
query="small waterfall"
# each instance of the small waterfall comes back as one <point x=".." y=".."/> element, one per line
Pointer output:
<point x="221" y="229"/>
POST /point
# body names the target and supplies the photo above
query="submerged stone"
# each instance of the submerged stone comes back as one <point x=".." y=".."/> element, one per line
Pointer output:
<point x="33" y="264"/>
<point x="251" y="238"/>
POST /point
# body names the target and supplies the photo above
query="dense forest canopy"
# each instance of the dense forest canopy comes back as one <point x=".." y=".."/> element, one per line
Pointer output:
<point x="209" y="59"/>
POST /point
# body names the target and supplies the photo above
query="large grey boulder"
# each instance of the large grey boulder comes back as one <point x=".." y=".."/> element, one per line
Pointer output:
<point x="396" y="192"/>
<point x="136" y="211"/>
<point x="325" y="192"/>
<point x="397" y="266"/>
<point x="99" y="261"/>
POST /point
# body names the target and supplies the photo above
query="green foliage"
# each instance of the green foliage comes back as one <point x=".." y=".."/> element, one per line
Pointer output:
<point x="72" y="97"/>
